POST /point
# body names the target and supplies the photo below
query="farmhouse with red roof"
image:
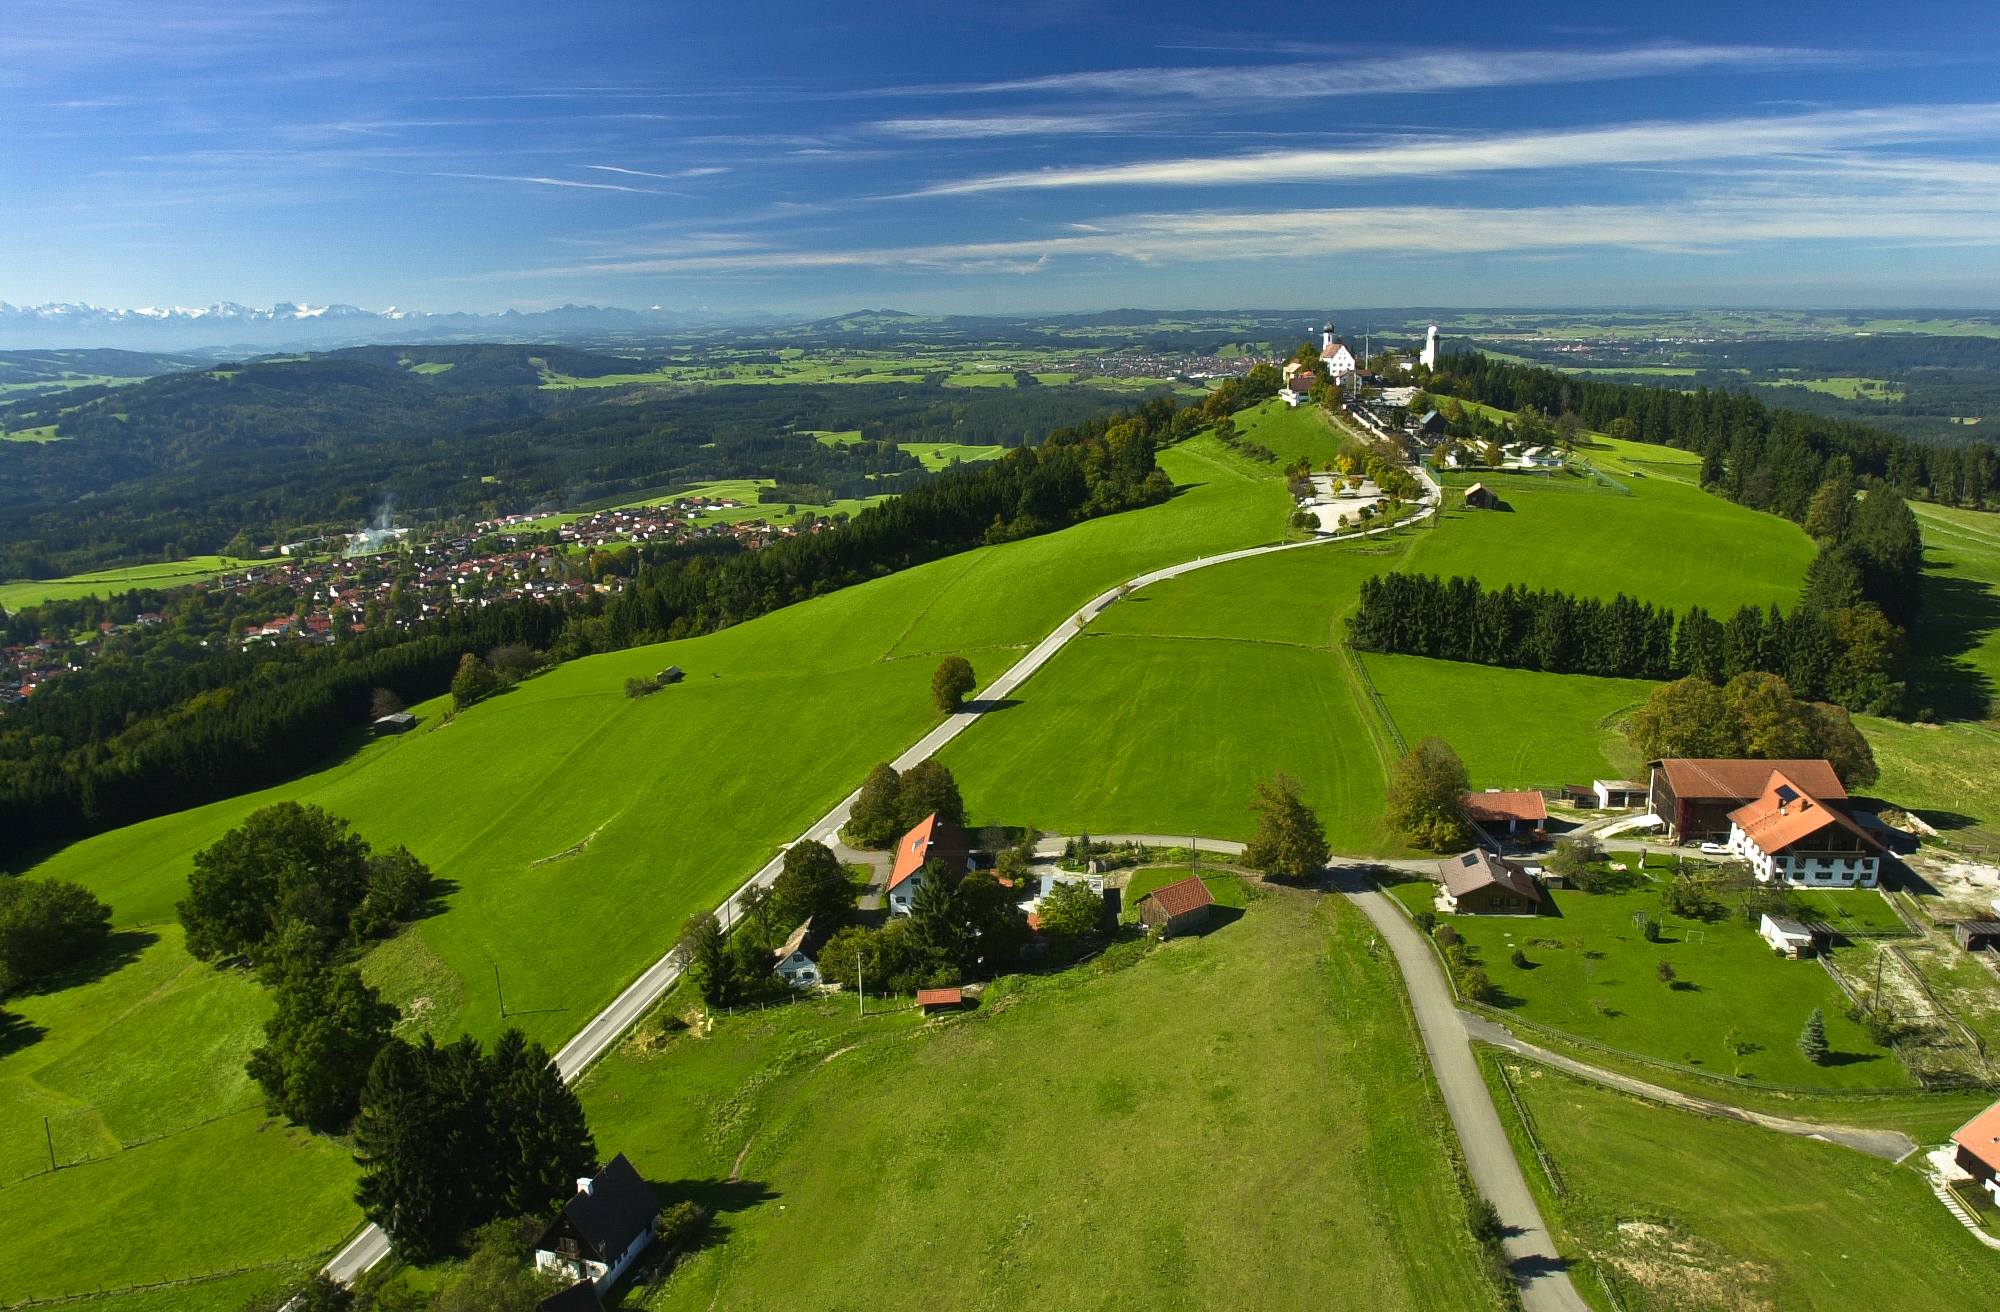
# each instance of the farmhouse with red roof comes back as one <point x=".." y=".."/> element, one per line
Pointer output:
<point x="931" y="840"/>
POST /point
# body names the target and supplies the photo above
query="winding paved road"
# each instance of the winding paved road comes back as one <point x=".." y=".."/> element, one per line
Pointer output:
<point x="371" y="1245"/>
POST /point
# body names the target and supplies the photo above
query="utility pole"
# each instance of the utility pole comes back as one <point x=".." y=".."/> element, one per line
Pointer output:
<point x="496" y="989"/>
<point x="50" y="1136"/>
<point x="860" y="978"/>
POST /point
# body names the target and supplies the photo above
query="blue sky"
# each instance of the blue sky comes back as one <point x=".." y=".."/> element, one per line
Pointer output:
<point x="1014" y="156"/>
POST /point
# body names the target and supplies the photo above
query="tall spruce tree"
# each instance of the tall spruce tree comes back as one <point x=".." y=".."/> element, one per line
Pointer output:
<point x="546" y="1144"/>
<point x="1812" y="1039"/>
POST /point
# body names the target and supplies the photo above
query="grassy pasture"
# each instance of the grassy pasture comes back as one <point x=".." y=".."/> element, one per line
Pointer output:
<point x="102" y="583"/>
<point x="1099" y="1138"/>
<point x="1228" y="890"/>
<point x="1513" y="728"/>
<point x="1294" y="431"/>
<point x="1730" y="984"/>
<point x="1956" y="639"/>
<point x="1847" y="389"/>
<point x="673" y="795"/>
<point x="936" y="455"/>
<point x="1694" y="1214"/>
<point x="46" y="433"/>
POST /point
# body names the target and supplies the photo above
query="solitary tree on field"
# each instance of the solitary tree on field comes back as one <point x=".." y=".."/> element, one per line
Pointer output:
<point x="1665" y="970"/>
<point x="1423" y="795"/>
<point x="1290" y="839"/>
<point x="473" y="681"/>
<point x="953" y="680"/>
<point x="1812" y="1039"/>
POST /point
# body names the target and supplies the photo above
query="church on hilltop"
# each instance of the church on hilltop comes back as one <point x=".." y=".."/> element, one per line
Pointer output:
<point x="1339" y="357"/>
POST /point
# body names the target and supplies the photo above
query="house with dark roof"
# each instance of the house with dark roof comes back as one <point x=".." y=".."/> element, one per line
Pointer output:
<point x="1790" y="837"/>
<point x="1977" y="1149"/>
<point x="1506" y="813"/>
<point x="1177" y="908"/>
<point x="602" y="1228"/>
<point x="1694" y="797"/>
<point x="931" y="840"/>
<point x="798" y="958"/>
<point x="1477" y="883"/>
<point x="1481" y="497"/>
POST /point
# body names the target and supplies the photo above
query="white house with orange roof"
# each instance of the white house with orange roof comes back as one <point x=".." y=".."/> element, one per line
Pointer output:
<point x="932" y="839"/>
<point x="1792" y="838"/>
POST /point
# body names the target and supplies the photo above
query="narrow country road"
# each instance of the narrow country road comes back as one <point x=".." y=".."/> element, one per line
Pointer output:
<point x="371" y="1245"/>
<point x="1489" y="1158"/>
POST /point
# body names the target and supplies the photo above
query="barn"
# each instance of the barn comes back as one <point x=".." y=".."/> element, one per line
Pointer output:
<point x="1178" y="908"/>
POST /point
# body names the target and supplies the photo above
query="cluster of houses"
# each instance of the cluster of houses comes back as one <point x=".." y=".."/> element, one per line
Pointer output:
<point x="1791" y="822"/>
<point x="1175" y="909"/>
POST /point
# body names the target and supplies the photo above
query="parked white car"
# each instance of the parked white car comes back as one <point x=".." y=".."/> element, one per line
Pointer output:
<point x="1715" y="849"/>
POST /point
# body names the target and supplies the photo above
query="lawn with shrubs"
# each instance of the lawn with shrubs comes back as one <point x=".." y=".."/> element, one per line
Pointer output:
<point x="1731" y="1005"/>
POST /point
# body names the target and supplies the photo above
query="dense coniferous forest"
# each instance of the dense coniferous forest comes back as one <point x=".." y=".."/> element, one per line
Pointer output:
<point x="1759" y="456"/>
<point x="195" y="463"/>
<point x="1814" y="651"/>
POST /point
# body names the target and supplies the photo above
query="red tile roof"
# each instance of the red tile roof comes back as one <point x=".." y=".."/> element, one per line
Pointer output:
<point x="1980" y="1136"/>
<point x="1188" y="895"/>
<point x="1774" y="822"/>
<point x="932" y="839"/>
<point x="1505" y="806"/>
<point x="939" y="997"/>
<point x="1739" y="781"/>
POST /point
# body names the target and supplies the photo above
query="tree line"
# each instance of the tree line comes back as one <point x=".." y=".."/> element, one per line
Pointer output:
<point x="1760" y="456"/>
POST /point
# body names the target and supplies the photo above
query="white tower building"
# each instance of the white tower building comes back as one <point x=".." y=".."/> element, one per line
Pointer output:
<point x="1430" y="353"/>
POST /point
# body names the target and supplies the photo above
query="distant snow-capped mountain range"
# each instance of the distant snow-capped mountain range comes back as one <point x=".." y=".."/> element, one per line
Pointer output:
<point x="226" y="325"/>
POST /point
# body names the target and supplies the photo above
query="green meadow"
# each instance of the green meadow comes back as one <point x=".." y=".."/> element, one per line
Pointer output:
<point x="1240" y="1119"/>
<point x="936" y="455"/>
<point x="579" y="827"/>
<point x="1592" y="973"/>
<point x="1691" y="1213"/>
<point x="1183" y="695"/>
<point x="1513" y="728"/>
<point x="102" y="583"/>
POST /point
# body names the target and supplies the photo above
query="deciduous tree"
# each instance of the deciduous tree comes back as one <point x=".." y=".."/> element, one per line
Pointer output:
<point x="874" y="819"/>
<point x="952" y="682"/>
<point x="1071" y="910"/>
<point x="1290" y="840"/>
<point x="1423" y="796"/>
<point x="46" y="925"/>
<point x="475" y="679"/>
<point x="1686" y="718"/>
<point x="928" y="788"/>
<point x="812" y="886"/>
<point x="319" y="1046"/>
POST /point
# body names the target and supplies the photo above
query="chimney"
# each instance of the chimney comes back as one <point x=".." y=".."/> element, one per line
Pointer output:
<point x="585" y="1185"/>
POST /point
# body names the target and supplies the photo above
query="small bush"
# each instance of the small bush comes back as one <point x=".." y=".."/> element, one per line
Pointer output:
<point x="679" y="1224"/>
<point x="1447" y="936"/>
<point x="1520" y="959"/>
<point x="641" y="687"/>
<point x="1426" y="921"/>
<point x="1665" y="970"/>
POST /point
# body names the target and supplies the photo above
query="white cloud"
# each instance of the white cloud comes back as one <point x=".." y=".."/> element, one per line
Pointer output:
<point x="1009" y="125"/>
<point x="554" y="182"/>
<point x="641" y="173"/>
<point x="1968" y="219"/>
<point x="1450" y="70"/>
<point x="1796" y="136"/>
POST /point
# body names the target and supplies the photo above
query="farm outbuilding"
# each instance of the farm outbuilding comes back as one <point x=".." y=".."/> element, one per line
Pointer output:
<point x="1177" y="908"/>
<point x="1798" y="940"/>
<point x="1615" y="793"/>
<point x="672" y="674"/>
<point x="1522" y="812"/>
<point x="1977" y="935"/>
<point x="934" y="1001"/>
<point x="1481" y="497"/>
<point x="400" y="722"/>
<point x="1977" y="1145"/>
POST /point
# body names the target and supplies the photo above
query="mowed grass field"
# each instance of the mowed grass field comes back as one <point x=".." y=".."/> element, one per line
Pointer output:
<point x="1694" y="1214"/>
<point x="673" y="801"/>
<point x="1512" y="728"/>
<point x="1957" y="636"/>
<point x="33" y="592"/>
<point x="1238" y="1120"/>
<point x="1729" y="986"/>
<point x="1185" y="694"/>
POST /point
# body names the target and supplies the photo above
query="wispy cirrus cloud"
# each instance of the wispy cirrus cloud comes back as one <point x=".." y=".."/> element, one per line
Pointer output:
<point x="641" y="173"/>
<point x="1009" y="125"/>
<point x="1428" y="72"/>
<point x="1795" y="136"/>
<point x="554" y="182"/>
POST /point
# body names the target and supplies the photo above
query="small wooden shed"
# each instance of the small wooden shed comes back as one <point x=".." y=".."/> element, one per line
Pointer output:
<point x="1177" y="908"/>
<point x="672" y="674"/>
<point x="1974" y="935"/>
<point x="934" y="1001"/>
<point x="400" y="722"/>
<point x="1481" y="497"/>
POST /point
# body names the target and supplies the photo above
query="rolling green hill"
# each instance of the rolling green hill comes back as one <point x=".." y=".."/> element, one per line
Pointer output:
<point x="674" y="799"/>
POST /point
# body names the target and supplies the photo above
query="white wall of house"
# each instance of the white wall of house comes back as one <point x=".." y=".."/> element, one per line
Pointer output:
<point x="799" y="969"/>
<point x="1860" y="870"/>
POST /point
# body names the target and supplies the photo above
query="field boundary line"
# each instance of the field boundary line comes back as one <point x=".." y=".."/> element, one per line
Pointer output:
<point x="1375" y="700"/>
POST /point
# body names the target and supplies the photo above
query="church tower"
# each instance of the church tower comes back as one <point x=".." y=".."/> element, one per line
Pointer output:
<point x="1430" y="353"/>
<point x="1326" y="339"/>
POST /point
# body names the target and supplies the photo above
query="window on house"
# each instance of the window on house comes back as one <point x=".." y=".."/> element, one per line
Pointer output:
<point x="566" y="1246"/>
